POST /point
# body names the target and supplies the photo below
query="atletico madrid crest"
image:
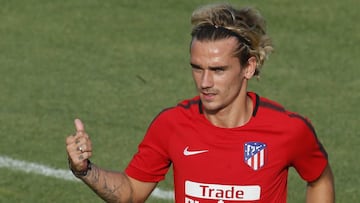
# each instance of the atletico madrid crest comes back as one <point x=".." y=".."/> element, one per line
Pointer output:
<point x="254" y="154"/>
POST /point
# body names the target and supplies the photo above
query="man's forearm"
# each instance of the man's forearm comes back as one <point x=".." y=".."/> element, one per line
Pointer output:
<point x="110" y="186"/>
<point x="322" y="190"/>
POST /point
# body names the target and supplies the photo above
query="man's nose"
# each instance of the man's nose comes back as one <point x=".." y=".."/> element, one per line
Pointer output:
<point x="207" y="79"/>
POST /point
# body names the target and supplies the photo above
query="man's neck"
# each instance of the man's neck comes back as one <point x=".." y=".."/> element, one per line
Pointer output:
<point x="234" y="115"/>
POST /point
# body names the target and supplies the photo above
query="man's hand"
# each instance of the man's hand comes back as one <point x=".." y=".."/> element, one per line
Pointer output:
<point x="111" y="186"/>
<point x="78" y="147"/>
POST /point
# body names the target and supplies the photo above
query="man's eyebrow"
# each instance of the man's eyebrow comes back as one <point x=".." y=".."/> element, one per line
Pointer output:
<point x="194" y="65"/>
<point x="218" y="67"/>
<point x="211" y="67"/>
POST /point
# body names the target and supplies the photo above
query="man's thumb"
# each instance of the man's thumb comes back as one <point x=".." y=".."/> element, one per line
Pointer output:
<point x="79" y="125"/>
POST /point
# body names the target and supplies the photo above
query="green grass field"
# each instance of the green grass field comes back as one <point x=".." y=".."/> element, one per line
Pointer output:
<point x="116" y="64"/>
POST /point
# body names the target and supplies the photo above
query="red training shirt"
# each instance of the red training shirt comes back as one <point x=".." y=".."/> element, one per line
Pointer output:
<point x="228" y="165"/>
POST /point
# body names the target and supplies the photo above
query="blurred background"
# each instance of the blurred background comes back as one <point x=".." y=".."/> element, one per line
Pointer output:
<point x="116" y="64"/>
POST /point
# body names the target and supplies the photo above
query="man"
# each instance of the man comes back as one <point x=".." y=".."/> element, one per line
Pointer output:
<point x="226" y="144"/>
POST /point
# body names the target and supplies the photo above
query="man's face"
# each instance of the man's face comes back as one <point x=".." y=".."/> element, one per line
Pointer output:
<point x="217" y="73"/>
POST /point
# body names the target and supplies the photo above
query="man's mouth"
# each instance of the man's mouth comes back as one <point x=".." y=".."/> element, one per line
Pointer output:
<point x="208" y="95"/>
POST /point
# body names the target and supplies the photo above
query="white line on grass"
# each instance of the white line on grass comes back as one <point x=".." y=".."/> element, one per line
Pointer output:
<point x="28" y="167"/>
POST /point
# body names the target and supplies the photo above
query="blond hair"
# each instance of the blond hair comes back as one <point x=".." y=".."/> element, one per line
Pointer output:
<point x="221" y="21"/>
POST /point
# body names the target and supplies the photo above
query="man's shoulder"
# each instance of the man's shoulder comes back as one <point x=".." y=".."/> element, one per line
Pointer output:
<point x="276" y="111"/>
<point x="190" y="103"/>
<point x="265" y="103"/>
<point x="184" y="107"/>
<point x="271" y="104"/>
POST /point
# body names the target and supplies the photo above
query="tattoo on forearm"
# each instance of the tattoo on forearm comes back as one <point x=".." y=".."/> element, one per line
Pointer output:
<point x="95" y="175"/>
<point x="108" y="190"/>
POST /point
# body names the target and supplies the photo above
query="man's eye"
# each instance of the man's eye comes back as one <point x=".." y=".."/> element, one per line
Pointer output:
<point x="196" y="69"/>
<point x="218" y="70"/>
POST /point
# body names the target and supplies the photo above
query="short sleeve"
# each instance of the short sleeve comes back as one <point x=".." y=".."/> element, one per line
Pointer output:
<point x="310" y="158"/>
<point x="151" y="162"/>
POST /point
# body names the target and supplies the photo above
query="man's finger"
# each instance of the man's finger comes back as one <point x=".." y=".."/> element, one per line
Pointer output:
<point x="79" y="125"/>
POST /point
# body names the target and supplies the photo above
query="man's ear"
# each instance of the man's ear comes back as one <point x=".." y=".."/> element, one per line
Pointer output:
<point x="250" y="68"/>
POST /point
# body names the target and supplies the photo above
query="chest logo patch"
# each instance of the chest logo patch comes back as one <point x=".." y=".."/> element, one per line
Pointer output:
<point x="254" y="154"/>
<point x="187" y="152"/>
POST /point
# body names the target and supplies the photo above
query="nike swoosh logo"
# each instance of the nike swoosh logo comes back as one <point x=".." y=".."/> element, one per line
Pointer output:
<point x="189" y="153"/>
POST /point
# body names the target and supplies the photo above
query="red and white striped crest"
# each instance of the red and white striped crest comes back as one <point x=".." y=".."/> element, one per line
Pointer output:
<point x="254" y="154"/>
